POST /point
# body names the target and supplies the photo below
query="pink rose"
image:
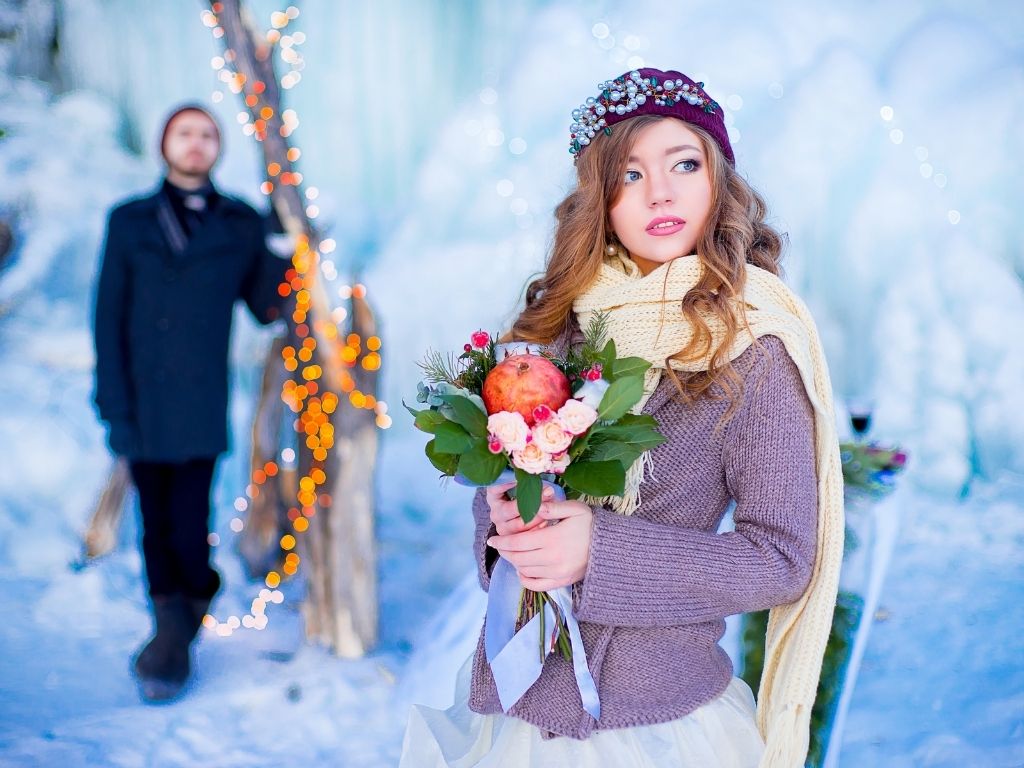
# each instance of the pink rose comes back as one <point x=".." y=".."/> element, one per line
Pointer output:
<point x="576" y="417"/>
<point x="550" y="436"/>
<point x="532" y="459"/>
<point x="508" y="428"/>
<point x="559" y="462"/>
<point x="480" y="339"/>
<point x="542" y="413"/>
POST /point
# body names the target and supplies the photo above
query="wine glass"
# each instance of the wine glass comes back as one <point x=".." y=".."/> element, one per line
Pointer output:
<point x="860" y="410"/>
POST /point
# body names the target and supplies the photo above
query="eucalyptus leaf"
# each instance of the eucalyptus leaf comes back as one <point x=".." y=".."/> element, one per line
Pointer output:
<point x="528" y="490"/>
<point x="465" y="413"/>
<point x="596" y="478"/>
<point x="622" y="395"/>
<point x="479" y="465"/>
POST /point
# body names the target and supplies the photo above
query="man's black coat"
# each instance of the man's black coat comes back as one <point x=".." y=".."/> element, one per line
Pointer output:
<point x="163" y="321"/>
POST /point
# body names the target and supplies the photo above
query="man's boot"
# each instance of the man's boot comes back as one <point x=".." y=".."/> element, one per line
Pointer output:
<point x="162" y="665"/>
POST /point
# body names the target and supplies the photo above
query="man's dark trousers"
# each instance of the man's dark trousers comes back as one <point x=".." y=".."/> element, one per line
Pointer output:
<point x="175" y="503"/>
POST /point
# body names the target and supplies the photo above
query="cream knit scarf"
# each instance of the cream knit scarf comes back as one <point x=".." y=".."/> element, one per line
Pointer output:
<point x="645" y="321"/>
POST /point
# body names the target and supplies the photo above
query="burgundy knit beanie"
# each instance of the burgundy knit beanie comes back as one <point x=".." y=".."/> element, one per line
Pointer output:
<point x="186" y="107"/>
<point x="648" y="92"/>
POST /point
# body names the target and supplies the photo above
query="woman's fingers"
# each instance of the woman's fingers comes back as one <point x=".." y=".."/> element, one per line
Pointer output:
<point x="496" y="493"/>
<point x="542" y="585"/>
<point x="560" y="510"/>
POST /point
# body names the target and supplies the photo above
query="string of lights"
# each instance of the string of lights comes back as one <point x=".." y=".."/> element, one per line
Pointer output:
<point x="302" y="394"/>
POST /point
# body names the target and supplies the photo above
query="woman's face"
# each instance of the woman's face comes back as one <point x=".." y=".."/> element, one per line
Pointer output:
<point x="666" y="198"/>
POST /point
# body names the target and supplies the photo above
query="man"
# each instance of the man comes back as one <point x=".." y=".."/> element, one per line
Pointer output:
<point x="174" y="264"/>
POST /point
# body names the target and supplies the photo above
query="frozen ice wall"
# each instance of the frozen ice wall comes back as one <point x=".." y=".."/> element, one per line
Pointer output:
<point x="378" y="79"/>
<point x="885" y="139"/>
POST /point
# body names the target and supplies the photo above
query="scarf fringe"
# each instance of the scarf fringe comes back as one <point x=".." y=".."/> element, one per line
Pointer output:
<point x="788" y="738"/>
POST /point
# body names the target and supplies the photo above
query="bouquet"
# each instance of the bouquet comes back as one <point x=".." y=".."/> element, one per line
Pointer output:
<point x="502" y="412"/>
<point x="870" y="469"/>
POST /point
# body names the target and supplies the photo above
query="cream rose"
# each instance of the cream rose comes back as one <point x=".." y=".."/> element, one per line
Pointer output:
<point x="550" y="436"/>
<point x="576" y="416"/>
<point x="532" y="459"/>
<point x="509" y="429"/>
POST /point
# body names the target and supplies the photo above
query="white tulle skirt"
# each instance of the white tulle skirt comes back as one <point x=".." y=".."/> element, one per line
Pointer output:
<point x="720" y="734"/>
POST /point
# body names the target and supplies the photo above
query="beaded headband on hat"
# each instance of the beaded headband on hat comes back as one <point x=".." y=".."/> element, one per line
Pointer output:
<point x="647" y="92"/>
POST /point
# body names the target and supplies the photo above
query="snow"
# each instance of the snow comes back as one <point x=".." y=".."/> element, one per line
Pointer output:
<point x="906" y="246"/>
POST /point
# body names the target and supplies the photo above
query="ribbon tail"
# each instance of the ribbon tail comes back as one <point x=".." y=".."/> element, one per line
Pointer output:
<point x="515" y="658"/>
<point x="584" y="680"/>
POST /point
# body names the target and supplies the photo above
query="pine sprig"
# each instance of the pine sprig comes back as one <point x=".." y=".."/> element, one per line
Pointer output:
<point x="440" y="368"/>
<point x="596" y="333"/>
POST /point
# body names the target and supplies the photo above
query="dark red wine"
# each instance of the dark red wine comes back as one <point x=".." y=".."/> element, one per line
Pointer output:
<point x="860" y="423"/>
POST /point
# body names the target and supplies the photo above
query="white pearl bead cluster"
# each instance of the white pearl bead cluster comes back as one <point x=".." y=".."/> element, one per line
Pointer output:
<point x="626" y="94"/>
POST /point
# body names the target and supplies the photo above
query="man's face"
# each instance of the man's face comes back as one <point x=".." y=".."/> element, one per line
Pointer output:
<point x="191" y="146"/>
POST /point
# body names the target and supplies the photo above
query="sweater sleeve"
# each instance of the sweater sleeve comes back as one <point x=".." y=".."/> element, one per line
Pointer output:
<point x="646" y="574"/>
<point x="485" y="556"/>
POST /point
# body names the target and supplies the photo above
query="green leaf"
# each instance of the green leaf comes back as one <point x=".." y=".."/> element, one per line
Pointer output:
<point x="429" y="420"/>
<point x="607" y="355"/>
<point x="639" y="436"/>
<point x="622" y="395"/>
<point x="451" y="438"/>
<point x="627" y="366"/>
<point x="613" y="450"/>
<point x="467" y="414"/>
<point x="637" y="419"/>
<point x="596" y="478"/>
<point x="528" y="489"/>
<point x="479" y="465"/>
<point x="445" y="463"/>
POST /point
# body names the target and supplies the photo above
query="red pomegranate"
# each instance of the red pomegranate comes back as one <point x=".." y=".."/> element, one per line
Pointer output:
<point x="522" y="382"/>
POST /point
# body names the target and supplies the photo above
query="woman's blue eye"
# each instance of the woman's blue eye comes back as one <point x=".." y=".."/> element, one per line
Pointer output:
<point x="688" y="166"/>
<point x="632" y="176"/>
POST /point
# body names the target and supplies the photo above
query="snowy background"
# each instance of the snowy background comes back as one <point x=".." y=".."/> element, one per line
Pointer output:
<point x="887" y="139"/>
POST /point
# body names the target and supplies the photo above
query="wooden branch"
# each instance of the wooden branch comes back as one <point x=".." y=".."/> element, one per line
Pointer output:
<point x="101" y="535"/>
<point x="342" y="606"/>
<point x="339" y="547"/>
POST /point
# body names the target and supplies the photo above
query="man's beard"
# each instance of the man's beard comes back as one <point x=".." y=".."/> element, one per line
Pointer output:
<point x="192" y="169"/>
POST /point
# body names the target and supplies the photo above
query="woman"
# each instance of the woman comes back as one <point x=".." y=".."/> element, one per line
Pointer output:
<point x="663" y="237"/>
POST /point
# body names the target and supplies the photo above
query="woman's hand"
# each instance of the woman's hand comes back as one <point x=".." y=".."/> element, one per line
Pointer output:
<point x="505" y="513"/>
<point x="549" y="556"/>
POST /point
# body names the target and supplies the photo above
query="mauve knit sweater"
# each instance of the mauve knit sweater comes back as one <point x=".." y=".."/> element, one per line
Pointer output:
<point x="659" y="583"/>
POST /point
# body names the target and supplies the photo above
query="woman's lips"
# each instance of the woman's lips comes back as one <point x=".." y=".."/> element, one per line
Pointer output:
<point x="665" y="225"/>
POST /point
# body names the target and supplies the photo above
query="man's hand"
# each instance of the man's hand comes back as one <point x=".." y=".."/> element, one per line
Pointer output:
<point x="548" y="556"/>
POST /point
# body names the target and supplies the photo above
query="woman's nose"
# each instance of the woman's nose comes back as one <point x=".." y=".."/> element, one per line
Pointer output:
<point x="659" y="191"/>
